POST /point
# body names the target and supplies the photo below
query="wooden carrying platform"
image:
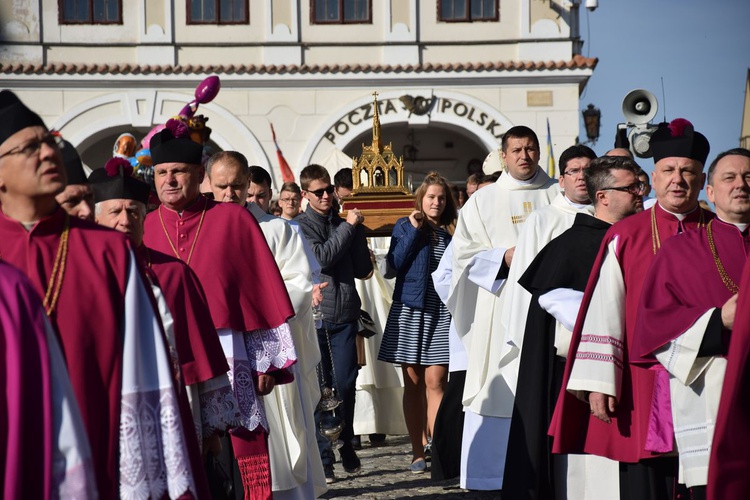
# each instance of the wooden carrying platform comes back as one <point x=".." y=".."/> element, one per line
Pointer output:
<point x="381" y="211"/>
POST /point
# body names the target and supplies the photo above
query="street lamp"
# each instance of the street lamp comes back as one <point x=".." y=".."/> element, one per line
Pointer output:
<point x="592" y="119"/>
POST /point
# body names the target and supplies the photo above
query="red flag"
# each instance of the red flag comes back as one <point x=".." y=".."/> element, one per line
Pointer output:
<point x="286" y="171"/>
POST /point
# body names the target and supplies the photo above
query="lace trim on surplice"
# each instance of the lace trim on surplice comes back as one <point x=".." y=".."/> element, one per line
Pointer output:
<point x="270" y="348"/>
<point x="252" y="413"/>
<point x="153" y="457"/>
<point x="219" y="408"/>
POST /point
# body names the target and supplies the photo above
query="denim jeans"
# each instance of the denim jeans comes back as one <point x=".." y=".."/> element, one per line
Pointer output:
<point x="343" y="349"/>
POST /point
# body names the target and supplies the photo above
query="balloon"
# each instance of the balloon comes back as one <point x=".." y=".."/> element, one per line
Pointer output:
<point x="146" y="141"/>
<point x="188" y="111"/>
<point x="207" y="89"/>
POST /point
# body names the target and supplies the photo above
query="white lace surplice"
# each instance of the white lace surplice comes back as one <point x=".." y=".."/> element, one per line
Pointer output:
<point x="253" y="352"/>
<point x="154" y="459"/>
<point x="211" y="402"/>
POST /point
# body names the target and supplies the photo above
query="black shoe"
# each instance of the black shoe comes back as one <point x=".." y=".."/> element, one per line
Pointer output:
<point x="357" y="443"/>
<point x="377" y="439"/>
<point x="350" y="460"/>
<point x="328" y="472"/>
<point x="428" y="451"/>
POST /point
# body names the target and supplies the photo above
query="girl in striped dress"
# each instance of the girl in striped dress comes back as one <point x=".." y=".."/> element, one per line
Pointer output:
<point x="416" y="333"/>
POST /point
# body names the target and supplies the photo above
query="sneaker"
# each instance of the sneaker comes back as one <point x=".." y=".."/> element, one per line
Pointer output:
<point x="350" y="460"/>
<point x="328" y="472"/>
<point x="418" y="466"/>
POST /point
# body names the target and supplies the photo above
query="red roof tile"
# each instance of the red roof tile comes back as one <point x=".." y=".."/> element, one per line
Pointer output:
<point x="578" y="62"/>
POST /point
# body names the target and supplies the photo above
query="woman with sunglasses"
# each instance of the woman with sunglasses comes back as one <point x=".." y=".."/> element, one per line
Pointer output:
<point x="416" y="333"/>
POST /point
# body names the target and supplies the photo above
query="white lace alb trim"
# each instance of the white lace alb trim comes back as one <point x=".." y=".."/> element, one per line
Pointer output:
<point x="269" y="348"/>
<point x="252" y="413"/>
<point x="153" y="457"/>
<point x="219" y="408"/>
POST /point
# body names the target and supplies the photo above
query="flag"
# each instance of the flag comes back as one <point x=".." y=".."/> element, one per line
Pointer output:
<point x="286" y="171"/>
<point x="550" y="154"/>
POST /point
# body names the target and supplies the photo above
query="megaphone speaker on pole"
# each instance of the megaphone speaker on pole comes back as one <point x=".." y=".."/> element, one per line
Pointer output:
<point x="639" y="107"/>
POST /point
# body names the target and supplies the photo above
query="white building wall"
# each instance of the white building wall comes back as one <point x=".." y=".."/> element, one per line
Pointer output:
<point x="303" y="78"/>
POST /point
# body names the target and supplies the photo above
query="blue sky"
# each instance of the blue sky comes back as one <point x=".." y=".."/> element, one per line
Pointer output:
<point x="701" y="48"/>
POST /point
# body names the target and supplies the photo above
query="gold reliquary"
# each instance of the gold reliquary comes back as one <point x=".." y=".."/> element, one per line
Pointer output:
<point x="378" y="184"/>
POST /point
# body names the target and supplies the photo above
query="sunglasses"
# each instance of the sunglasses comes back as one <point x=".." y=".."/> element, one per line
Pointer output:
<point x="319" y="192"/>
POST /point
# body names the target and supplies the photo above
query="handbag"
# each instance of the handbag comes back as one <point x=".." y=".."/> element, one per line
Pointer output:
<point x="365" y="325"/>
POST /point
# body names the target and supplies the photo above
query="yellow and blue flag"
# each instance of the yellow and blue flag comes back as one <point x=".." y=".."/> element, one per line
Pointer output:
<point x="550" y="154"/>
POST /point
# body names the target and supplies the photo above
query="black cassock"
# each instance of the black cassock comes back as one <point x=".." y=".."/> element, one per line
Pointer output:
<point x="565" y="262"/>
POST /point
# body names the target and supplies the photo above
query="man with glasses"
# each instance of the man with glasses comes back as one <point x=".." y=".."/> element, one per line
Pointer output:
<point x="290" y="200"/>
<point x="555" y="279"/>
<point x="685" y="319"/>
<point x="618" y="420"/>
<point x="109" y="333"/>
<point x="341" y="249"/>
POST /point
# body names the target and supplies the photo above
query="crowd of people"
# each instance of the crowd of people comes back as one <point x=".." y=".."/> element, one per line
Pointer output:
<point x="556" y="338"/>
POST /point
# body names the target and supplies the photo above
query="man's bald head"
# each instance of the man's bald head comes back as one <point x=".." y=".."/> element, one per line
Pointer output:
<point x="227" y="173"/>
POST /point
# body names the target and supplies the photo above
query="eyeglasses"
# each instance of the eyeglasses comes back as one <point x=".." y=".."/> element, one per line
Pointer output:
<point x="290" y="200"/>
<point x="31" y="148"/>
<point x="319" y="192"/>
<point x="573" y="172"/>
<point x="637" y="188"/>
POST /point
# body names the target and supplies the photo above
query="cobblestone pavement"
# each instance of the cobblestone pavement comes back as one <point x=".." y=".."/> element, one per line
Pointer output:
<point x="385" y="475"/>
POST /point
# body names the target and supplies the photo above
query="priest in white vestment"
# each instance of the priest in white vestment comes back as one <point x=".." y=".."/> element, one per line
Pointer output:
<point x="540" y="228"/>
<point x="484" y="244"/>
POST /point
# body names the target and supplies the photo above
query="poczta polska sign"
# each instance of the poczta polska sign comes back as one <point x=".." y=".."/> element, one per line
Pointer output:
<point x="406" y="105"/>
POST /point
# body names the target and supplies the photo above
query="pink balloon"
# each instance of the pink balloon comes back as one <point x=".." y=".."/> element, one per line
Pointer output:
<point x="146" y="141"/>
<point x="188" y="111"/>
<point x="207" y="89"/>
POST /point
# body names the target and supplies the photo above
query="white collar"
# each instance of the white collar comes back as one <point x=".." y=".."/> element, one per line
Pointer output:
<point x="577" y="206"/>
<point x="739" y="225"/>
<point x="680" y="217"/>
<point x="527" y="181"/>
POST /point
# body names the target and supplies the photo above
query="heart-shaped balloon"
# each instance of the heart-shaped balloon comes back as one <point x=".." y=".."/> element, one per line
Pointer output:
<point x="207" y="89"/>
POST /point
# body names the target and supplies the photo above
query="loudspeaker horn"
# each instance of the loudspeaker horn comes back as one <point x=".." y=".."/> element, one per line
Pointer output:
<point x="639" y="107"/>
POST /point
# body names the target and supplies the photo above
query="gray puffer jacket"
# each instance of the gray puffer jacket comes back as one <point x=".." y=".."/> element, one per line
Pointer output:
<point x="341" y="250"/>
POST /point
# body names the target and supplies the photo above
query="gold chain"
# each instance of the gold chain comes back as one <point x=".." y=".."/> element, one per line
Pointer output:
<point x="58" y="270"/>
<point x="655" y="240"/>
<point x="54" y="285"/>
<point x="195" y="240"/>
<point x="728" y="282"/>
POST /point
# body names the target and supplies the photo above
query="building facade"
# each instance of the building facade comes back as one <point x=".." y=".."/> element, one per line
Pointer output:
<point x="451" y="75"/>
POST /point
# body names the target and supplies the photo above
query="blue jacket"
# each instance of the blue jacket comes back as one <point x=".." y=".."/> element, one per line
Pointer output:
<point x="409" y="256"/>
